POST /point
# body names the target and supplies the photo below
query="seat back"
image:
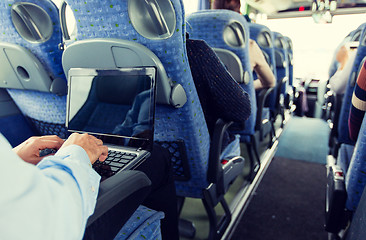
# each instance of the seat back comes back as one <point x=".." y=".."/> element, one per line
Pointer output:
<point x="357" y="229"/>
<point x="343" y="132"/>
<point x="355" y="177"/>
<point x="31" y="62"/>
<point x="159" y="30"/>
<point x="264" y="38"/>
<point x="281" y="57"/>
<point x="225" y="29"/>
<point x="290" y="54"/>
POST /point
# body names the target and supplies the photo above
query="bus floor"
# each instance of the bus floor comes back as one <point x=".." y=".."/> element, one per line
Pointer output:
<point x="289" y="201"/>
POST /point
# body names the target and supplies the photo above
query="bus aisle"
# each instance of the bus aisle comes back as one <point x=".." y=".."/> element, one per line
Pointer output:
<point x="289" y="202"/>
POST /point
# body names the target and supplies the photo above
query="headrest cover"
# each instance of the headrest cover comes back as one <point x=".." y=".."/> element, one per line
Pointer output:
<point x="31" y="22"/>
<point x="280" y="59"/>
<point x="232" y="63"/>
<point x="234" y="35"/>
<point x="152" y="19"/>
<point x="264" y="39"/>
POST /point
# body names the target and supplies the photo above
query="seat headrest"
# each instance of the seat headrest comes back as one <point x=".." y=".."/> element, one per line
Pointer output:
<point x="234" y="35"/>
<point x="152" y="19"/>
<point x="264" y="39"/>
<point x="232" y="63"/>
<point x="108" y="53"/>
<point x="280" y="59"/>
<point x="32" y="22"/>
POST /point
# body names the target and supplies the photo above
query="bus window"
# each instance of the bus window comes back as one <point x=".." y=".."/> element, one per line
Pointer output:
<point x="190" y="6"/>
<point x="314" y="44"/>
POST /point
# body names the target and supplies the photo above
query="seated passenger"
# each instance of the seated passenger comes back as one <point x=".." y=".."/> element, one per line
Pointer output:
<point x="266" y="78"/>
<point x="220" y="95"/>
<point x="258" y="63"/>
<point x="233" y="5"/>
<point x="45" y="181"/>
<point x="358" y="106"/>
<point x="37" y="193"/>
<point x="346" y="57"/>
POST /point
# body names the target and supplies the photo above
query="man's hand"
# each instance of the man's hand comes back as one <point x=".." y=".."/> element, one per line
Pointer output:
<point x="93" y="146"/>
<point x="29" y="149"/>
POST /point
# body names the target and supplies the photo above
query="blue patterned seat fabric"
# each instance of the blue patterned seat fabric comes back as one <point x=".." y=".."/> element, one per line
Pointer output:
<point x="282" y="70"/>
<point x="209" y="25"/>
<point x="46" y="110"/>
<point x="144" y="224"/>
<point x="290" y="61"/>
<point x="356" y="178"/>
<point x="343" y="133"/>
<point x="96" y="19"/>
<point x="345" y="153"/>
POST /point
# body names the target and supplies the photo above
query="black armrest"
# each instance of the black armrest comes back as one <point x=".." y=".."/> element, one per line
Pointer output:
<point x="222" y="175"/>
<point x="261" y="99"/>
<point x="214" y="172"/>
<point x="336" y="197"/>
<point x="119" y="196"/>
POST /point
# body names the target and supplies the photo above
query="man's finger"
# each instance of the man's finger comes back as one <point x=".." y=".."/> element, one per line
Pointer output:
<point x="104" y="153"/>
<point x="43" y="144"/>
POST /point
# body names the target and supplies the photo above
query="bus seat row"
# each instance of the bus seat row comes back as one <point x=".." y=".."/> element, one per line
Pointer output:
<point x="346" y="179"/>
<point x="160" y="35"/>
<point x="225" y="29"/>
<point x="229" y="31"/>
<point x="339" y="133"/>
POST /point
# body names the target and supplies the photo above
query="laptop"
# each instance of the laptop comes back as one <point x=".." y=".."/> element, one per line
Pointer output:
<point x="118" y="107"/>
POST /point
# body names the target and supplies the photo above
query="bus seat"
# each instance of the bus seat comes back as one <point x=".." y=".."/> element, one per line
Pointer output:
<point x="264" y="38"/>
<point x="34" y="78"/>
<point x="32" y="71"/>
<point x="345" y="186"/>
<point x="282" y="69"/>
<point x="343" y="133"/>
<point x="291" y="91"/>
<point x="153" y="34"/>
<point x="333" y="101"/>
<point x="355" y="176"/>
<point x="13" y="124"/>
<point x="290" y="60"/>
<point x="229" y="30"/>
<point x="357" y="228"/>
<point x="143" y="224"/>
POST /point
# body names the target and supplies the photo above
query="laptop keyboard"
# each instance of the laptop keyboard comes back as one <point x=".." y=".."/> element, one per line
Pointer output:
<point x="115" y="161"/>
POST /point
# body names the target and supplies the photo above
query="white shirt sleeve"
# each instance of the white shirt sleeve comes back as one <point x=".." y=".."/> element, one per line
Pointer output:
<point x="52" y="200"/>
<point x="338" y="82"/>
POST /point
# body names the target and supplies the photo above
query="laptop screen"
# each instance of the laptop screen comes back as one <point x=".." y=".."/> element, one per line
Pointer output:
<point x="116" y="105"/>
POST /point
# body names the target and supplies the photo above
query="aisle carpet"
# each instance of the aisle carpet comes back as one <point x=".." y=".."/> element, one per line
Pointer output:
<point x="304" y="139"/>
<point x="288" y="204"/>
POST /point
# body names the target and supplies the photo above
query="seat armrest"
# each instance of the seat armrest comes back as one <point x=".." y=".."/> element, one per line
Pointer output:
<point x="119" y="196"/>
<point x="261" y="99"/>
<point x="215" y="171"/>
<point x="336" y="196"/>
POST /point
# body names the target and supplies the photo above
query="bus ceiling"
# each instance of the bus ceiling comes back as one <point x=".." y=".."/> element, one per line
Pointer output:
<point x="321" y="10"/>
